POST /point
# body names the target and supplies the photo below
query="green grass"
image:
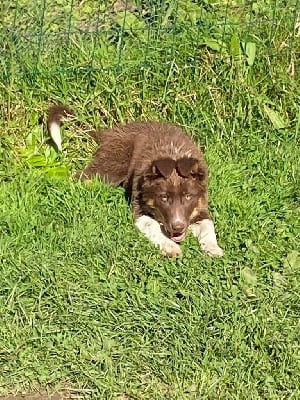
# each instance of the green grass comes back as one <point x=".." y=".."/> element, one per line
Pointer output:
<point x="87" y="304"/>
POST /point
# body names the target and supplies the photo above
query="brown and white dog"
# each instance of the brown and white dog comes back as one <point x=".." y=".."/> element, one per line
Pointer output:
<point x="163" y="172"/>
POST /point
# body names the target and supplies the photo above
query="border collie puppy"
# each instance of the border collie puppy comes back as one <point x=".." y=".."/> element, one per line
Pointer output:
<point x="164" y="174"/>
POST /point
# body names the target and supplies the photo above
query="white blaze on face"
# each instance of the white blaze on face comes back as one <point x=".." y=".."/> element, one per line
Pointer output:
<point x="178" y="226"/>
<point x="54" y="130"/>
<point x="178" y="219"/>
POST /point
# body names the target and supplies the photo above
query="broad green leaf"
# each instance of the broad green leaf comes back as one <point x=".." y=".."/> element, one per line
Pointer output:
<point x="213" y="44"/>
<point x="292" y="260"/>
<point x="250" y="51"/>
<point x="32" y="137"/>
<point x="277" y="120"/>
<point x="59" y="172"/>
<point x="27" y="151"/>
<point x="248" y="276"/>
<point x="248" y="282"/>
<point x="188" y="11"/>
<point x="169" y="12"/>
<point x="30" y="140"/>
<point x="87" y="9"/>
<point x="235" y="45"/>
<point x="51" y="155"/>
<point x="131" y="23"/>
<point x="37" y="161"/>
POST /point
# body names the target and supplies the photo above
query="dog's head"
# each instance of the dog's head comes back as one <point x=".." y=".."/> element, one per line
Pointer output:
<point x="174" y="192"/>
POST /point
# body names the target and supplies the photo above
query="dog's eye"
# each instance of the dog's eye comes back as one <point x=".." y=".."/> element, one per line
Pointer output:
<point x="188" y="196"/>
<point x="164" y="197"/>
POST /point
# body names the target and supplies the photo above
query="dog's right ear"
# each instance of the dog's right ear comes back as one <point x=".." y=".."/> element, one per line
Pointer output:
<point x="190" y="167"/>
<point x="163" y="167"/>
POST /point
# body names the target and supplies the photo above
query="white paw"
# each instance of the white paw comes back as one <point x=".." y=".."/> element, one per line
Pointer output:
<point x="170" y="249"/>
<point x="212" y="249"/>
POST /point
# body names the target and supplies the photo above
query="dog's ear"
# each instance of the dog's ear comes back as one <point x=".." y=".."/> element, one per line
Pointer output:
<point x="163" y="167"/>
<point x="187" y="166"/>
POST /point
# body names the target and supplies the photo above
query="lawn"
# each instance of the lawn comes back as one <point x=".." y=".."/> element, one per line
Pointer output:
<point x="88" y="306"/>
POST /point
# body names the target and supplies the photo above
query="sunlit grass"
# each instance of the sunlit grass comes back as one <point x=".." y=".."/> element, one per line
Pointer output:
<point x="86" y="302"/>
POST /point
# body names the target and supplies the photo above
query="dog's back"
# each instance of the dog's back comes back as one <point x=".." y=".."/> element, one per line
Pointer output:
<point x="159" y="140"/>
<point x="128" y="150"/>
<point x="112" y="159"/>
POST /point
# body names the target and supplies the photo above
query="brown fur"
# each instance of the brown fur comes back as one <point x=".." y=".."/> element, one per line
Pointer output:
<point x="57" y="113"/>
<point x="159" y="166"/>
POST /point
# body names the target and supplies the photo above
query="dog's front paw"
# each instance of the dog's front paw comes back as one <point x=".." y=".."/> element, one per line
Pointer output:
<point x="212" y="249"/>
<point x="170" y="249"/>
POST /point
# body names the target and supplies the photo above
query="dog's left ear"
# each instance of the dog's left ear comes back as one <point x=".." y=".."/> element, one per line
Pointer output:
<point x="187" y="166"/>
<point x="164" y="167"/>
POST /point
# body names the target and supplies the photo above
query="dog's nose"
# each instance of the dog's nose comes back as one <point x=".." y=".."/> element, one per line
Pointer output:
<point x="178" y="226"/>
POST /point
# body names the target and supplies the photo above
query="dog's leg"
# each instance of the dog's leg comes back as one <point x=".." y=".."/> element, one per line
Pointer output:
<point x="205" y="232"/>
<point x="151" y="229"/>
